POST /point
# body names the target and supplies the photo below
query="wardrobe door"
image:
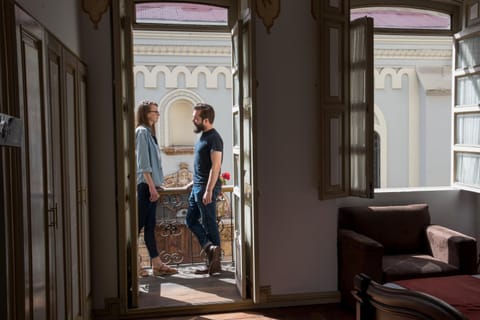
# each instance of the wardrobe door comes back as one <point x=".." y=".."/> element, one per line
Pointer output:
<point x="32" y="111"/>
<point x="55" y="191"/>
<point x="73" y="193"/>
<point x="82" y="182"/>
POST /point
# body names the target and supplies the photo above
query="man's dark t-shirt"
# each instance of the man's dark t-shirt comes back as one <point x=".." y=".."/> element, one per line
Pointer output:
<point x="209" y="141"/>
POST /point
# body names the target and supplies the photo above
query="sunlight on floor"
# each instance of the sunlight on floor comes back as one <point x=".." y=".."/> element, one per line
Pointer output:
<point x="188" y="288"/>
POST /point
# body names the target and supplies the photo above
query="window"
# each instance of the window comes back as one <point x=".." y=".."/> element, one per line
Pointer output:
<point x="346" y="103"/>
<point x="412" y="93"/>
<point x="404" y="18"/>
<point x="466" y="148"/>
<point x="177" y="13"/>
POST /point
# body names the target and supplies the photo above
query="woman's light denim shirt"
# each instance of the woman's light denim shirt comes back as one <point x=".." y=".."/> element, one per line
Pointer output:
<point x="148" y="156"/>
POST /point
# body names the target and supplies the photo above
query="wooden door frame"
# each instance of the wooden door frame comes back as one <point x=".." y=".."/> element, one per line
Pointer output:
<point x="126" y="195"/>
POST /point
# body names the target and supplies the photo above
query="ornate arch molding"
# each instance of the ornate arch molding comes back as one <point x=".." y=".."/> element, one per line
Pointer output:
<point x="165" y="107"/>
<point x="212" y="76"/>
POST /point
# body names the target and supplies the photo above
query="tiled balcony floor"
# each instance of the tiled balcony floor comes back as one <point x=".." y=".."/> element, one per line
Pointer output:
<point x="187" y="288"/>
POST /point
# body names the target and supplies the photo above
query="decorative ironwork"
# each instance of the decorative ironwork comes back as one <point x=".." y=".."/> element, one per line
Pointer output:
<point x="171" y="258"/>
<point x="169" y="228"/>
<point x="174" y="241"/>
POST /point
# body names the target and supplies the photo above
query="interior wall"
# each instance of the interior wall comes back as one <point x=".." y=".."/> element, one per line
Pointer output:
<point x="61" y="18"/>
<point x="97" y="53"/>
<point x="290" y="215"/>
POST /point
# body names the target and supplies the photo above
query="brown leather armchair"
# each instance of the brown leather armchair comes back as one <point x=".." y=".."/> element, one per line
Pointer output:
<point x="392" y="243"/>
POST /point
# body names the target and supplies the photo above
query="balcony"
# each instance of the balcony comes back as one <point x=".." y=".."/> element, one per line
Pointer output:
<point x="175" y="242"/>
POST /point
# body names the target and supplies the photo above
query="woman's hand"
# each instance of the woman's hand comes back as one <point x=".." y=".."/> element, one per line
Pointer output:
<point x="153" y="194"/>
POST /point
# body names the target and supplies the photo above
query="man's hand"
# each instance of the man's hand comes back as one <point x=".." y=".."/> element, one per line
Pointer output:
<point x="207" y="197"/>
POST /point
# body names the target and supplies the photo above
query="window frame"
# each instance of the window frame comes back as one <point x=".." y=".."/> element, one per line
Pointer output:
<point x="459" y="71"/>
<point x="231" y="8"/>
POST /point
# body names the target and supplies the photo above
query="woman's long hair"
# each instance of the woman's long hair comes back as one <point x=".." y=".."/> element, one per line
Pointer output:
<point x="142" y="114"/>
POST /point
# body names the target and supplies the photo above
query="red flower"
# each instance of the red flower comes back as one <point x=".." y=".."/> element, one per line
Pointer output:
<point x="226" y="176"/>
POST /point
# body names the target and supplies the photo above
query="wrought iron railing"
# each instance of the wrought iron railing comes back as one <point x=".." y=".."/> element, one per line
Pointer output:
<point x="175" y="241"/>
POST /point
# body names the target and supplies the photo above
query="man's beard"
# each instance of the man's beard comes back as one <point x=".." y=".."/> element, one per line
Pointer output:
<point x="198" y="128"/>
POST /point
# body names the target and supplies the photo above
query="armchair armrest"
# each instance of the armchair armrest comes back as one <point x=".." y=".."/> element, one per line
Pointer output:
<point x="357" y="254"/>
<point x="453" y="247"/>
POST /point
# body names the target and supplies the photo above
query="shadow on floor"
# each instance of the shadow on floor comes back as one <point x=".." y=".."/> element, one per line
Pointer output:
<point x="187" y="288"/>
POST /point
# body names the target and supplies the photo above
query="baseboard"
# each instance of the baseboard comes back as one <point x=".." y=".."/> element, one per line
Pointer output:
<point x="267" y="299"/>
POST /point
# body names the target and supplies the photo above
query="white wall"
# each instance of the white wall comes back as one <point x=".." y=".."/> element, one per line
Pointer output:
<point x="437" y="140"/>
<point x="60" y="17"/>
<point x="97" y="54"/>
<point x="297" y="232"/>
<point x="291" y="218"/>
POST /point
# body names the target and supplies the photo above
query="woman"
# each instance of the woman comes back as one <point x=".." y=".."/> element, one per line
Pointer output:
<point x="149" y="178"/>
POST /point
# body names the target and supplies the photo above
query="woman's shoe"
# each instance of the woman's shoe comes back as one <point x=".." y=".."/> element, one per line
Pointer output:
<point x="143" y="273"/>
<point x="164" y="270"/>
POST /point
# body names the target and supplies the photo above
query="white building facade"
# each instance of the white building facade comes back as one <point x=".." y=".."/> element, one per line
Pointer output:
<point x="178" y="70"/>
<point x="413" y="110"/>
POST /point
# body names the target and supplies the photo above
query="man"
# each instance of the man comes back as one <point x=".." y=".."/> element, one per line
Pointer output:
<point x="201" y="218"/>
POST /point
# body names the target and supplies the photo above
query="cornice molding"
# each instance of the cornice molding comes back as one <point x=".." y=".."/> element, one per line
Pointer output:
<point x="417" y="54"/>
<point x="189" y="50"/>
<point x="180" y="35"/>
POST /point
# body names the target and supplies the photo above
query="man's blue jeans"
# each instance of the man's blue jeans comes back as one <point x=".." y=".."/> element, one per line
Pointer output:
<point x="202" y="219"/>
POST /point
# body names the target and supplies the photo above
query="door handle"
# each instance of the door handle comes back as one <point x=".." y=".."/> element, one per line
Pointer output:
<point x="53" y="216"/>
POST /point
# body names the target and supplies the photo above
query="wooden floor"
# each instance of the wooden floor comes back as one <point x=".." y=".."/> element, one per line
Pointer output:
<point x="188" y="289"/>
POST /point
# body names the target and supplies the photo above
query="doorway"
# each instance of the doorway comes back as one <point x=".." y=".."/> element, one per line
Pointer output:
<point x="178" y="69"/>
<point x="184" y="83"/>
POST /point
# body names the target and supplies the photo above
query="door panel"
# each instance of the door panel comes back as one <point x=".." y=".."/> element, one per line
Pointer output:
<point x="242" y="114"/>
<point x="55" y="191"/>
<point x="73" y="195"/>
<point x="125" y="142"/>
<point x="361" y="107"/>
<point x="333" y="25"/>
<point x="83" y="186"/>
<point x="35" y="213"/>
<point x="238" y="177"/>
<point x="55" y="220"/>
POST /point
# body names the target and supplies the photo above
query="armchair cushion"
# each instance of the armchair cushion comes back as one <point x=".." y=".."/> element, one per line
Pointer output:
<point x="402" y="227"/>
<point x="408" y="266"/>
